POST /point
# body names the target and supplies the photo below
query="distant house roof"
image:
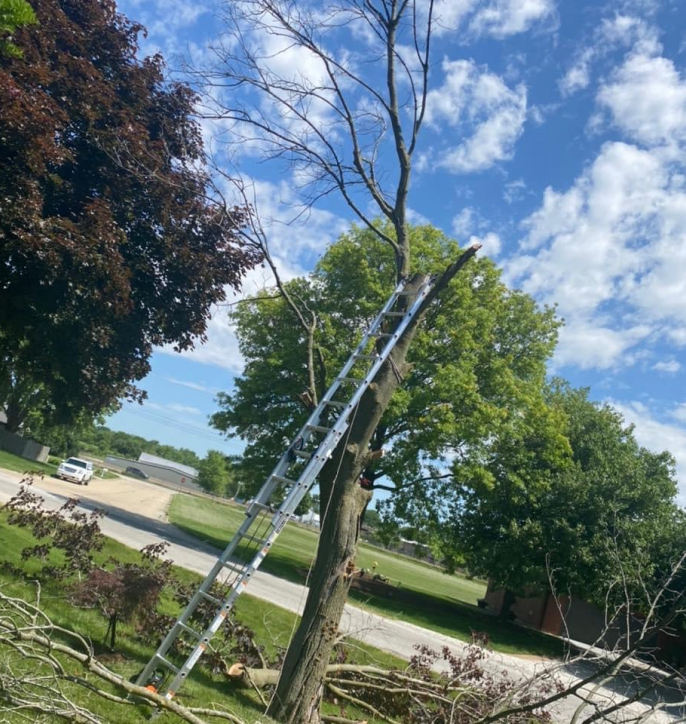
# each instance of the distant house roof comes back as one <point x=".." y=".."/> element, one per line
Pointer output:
<point x="156" y="460"/>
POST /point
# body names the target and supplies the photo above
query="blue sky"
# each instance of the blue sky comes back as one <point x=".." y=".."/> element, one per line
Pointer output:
<point x="556" y="136"/>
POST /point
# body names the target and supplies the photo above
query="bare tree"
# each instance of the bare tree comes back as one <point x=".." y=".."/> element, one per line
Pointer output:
<point x="331" y="115"/>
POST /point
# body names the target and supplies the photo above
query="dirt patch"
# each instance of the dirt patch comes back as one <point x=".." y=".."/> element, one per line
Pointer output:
<point x="136" y="496"/>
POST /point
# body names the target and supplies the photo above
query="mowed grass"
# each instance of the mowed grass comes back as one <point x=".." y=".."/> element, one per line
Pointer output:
<point x="430" y="598"/>
<point x="271" y="624"/>
<point x="17" y="464"/>
<point x="22" y="465"/>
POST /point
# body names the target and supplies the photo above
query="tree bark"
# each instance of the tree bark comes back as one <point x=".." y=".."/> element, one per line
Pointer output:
<point x="506" y="605"/>
<point x="299" y="692"/>
<point x="300" y="688"/>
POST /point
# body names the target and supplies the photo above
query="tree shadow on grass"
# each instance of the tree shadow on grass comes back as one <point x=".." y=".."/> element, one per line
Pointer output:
<point x="461" y="621"/>
<point x="443" y="614"/>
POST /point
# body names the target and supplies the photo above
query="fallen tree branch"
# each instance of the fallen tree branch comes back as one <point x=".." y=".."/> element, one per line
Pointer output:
<point x="28" y="631"/>
<point x="358" y="702"/>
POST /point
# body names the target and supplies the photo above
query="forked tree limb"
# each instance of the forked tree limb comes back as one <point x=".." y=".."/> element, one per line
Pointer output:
<point x="28" y="631"/>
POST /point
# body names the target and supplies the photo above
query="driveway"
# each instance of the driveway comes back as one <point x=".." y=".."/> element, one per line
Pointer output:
<point x="151" y="501"/>
<point x="136" y="517"/>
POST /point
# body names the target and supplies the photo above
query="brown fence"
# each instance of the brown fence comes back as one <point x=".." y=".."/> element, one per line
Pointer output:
<point x="23" y="446"/>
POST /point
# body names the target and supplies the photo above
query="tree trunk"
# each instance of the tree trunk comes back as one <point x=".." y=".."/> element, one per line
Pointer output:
<point x="506" y="605"/>
<point x="299" y="692"/>
<point x="15" y="415"/>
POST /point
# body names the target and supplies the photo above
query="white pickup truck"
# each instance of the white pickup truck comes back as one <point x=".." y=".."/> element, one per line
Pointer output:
<point x="77" y="470"/>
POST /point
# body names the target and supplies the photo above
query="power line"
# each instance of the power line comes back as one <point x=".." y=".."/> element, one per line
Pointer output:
<point x="188" y="428"/>
<point x="180" y="425"/>
<point x="216" y="440"/>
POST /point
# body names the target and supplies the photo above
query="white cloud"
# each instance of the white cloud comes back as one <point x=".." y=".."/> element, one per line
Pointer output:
<point x="677" y="336"/>
<point x="610" y="251"/>
<point x="463" y="223"/>
<point x="481" y="108"/>
<point x="588" y="345"/>
<point x="185" y="409"/>
<point x="647" y="100"/>
<point x="449" y="14"/>
<point x="514" y="191"/>
<point x="657" y="436"/>
<point x="192" y="385"/>
<point x="417" y="218"/>
<point x="490" y="244"/>
<point x="165" y="22"/>
<point x="501" y="18"/>
<point x="579" y="75"/>
<point x="621" y="30"/>
<point x="497" y="18"/>
<point x="670" y="366"/>
<point x="174" y="407"/>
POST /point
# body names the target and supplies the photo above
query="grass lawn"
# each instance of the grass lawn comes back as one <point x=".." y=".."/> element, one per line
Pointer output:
<point x="271" y="624"/>
<point x="433" y="599"/>
<point x="22" y="465"/>
<point x="8" y="461"/>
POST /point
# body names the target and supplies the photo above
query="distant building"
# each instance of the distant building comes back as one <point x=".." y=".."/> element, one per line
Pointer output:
<point x="186" y="470"/>
<point x="157" y="468"/>
<point x="309" y="518"/>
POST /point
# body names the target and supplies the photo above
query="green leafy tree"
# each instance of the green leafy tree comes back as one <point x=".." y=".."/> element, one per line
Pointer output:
<point x="109" y="246"/>
<point x="596" y="517"/>
<point x="102" y="441"/>
<point x="214" y="474"/>
<point x="475" y="366"/>
<point x="458" y="391"/>
<point x="13" y="14"/>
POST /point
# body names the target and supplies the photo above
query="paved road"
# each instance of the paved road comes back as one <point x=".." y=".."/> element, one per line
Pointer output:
<point x="135" y="517"/>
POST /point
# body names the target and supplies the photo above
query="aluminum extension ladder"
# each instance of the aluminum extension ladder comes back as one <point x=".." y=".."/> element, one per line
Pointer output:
<point x="305" y="457"/>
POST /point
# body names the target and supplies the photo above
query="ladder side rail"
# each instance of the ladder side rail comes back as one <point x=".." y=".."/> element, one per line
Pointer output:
<point x="195" y="600"/>
<point x="341" y="425"/>
<point x="314" y="418"/>
<point x="302" y="485"/>
<point x="237" y="588"/>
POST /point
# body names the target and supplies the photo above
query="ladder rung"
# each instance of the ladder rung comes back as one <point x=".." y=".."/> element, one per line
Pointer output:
<point x="368" y="350"/>
<point x="287" y="481"/>
<point x="167" y="663"/>
<point x="189" y="630"/>
<point x="210" y="598"/>
<point x="252" y="539"/>
<point x="234" y="566"/>
<point x="256" y="507"/>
